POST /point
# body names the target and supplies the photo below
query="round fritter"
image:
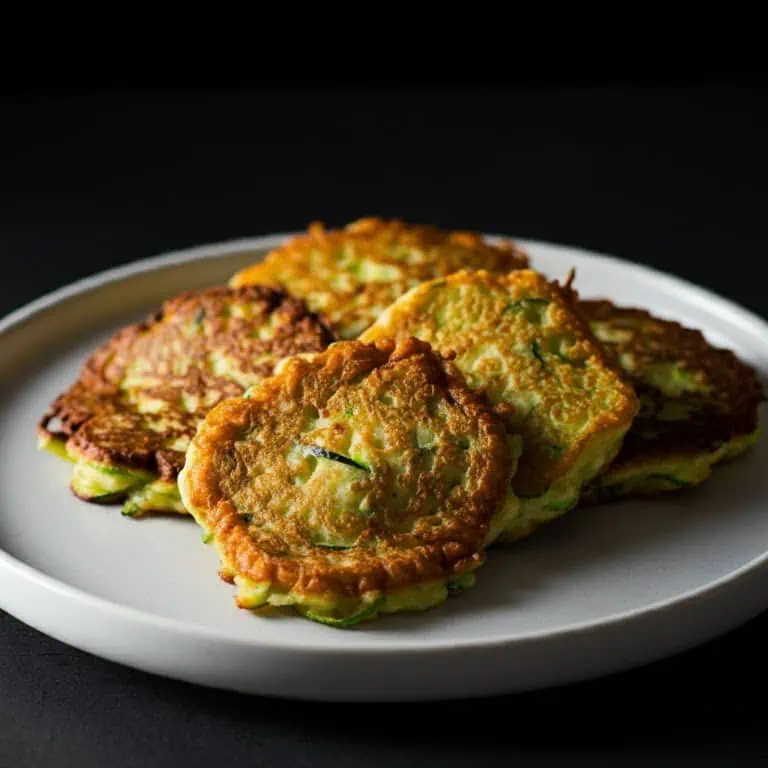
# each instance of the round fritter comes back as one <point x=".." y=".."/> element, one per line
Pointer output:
<point x="351" y="275"/>
<point x="517" y="339"/>
<point x="360" y="480"/>
<point x="139" y="397"/>
<point x="699" y="404"/>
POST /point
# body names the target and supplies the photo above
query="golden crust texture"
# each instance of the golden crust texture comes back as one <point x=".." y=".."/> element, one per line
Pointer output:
<point x="362" y="469"/>
<point x="695" y="397"/>
<point x="518" y="339"/>
<point x="351" y="275"/>
<point x="139" y="397"/>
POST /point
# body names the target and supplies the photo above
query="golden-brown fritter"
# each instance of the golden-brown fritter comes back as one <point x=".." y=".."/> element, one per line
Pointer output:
<point x="699" y="403"/>
<point x="361" y="480"/>
<point x="351" y="275"/>
<point x="518" y="339"/>
<point x="128" y="418"/>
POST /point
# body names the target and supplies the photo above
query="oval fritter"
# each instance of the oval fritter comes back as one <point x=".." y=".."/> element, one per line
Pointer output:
<point x="361" y="480"/>
<point x="351" y="275"/>
<point x="699" y="404"/>
<point x="128" y="419"/>
<point x="518" y="339"/>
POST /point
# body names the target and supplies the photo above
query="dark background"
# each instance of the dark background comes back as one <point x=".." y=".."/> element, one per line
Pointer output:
<point x="674" y="177"/>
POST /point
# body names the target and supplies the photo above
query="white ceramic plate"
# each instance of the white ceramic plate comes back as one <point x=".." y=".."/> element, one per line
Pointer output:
<point x="601" y="590"/>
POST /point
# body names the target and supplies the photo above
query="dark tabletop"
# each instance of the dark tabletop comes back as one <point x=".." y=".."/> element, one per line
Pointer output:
<point x="674" y="178"/>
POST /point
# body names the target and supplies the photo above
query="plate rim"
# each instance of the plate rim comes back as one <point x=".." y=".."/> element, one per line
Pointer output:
<point x="702" y="297"/>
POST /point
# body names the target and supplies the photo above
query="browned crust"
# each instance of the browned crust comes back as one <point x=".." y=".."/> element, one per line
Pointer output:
<point x="704" y="432"/>
<point x="728" y="410"/>
<point x="383" y="559"/>
<point x="505" y="255"/>
<point x="375" y="234"/>
<point x="113" y="498"/>
<point x="590" y="350"/>
<point x="443" y="252"/>
<point x="569" y="392"/>
<point x="97" y="416"/>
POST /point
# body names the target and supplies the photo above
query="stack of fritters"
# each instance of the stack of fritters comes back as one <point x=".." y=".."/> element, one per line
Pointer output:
<point x="468" y="401"/>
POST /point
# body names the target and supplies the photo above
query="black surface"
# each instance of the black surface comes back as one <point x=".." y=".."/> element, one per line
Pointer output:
<point x="674" y="178"/>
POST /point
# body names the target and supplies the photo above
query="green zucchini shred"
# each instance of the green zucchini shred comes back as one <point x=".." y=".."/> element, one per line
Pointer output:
<point x="669" y="478"/>
<point x="560" y="506"/>
<point x="461" y="582"/>
<point x="324" y="453"/>
<point x="131" y="509"/>
<point x="57" y="447"/>
<point x="138" y="474"/>
<point x="367" y="611"/>
<point x="107" y="498"/>
<point x="522" y="304"/>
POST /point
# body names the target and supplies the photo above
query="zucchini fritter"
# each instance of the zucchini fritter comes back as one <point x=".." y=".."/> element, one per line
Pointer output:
<point x="699" y="404"/>
<point x="362" y="480"/>
<point x="128" y="419"/>
<point x="351" y="275"/>
<point x="518" y="339"/>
